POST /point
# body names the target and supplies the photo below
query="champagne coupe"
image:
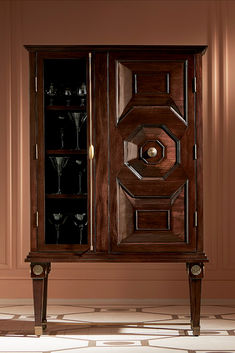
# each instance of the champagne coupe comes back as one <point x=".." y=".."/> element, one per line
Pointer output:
<point x="57" y="219"/>
<point x="79" y="119"/>
<point x="51" y="92"/>
<point x="59" y="163"/>
<point x="80" y="222"/>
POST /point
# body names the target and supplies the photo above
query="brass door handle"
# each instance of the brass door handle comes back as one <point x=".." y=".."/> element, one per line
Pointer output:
<point x="91" y="152"/>
<point x="152" y="152"/>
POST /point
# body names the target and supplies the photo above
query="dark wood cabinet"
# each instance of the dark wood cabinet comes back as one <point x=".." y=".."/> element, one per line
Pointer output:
<point x="116" y="160"/>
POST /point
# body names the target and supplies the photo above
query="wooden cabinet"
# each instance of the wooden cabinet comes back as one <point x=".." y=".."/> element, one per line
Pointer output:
<point x="116" y="160"/>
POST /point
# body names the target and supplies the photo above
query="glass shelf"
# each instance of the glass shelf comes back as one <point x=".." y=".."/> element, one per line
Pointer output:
<point x="63" y="152"/>
<point x="66" y="196"/>
<point x="64" y="107"/>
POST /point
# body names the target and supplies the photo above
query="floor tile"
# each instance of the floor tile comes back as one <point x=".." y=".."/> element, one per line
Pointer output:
<point x="65" y="335"/>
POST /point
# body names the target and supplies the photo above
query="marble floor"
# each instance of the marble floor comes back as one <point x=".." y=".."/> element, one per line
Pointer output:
<point x="70" y="329"/>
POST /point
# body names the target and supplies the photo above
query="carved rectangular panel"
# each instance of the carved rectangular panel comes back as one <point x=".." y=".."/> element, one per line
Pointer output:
<point x="152" y="220"/>
<point x="152" y="82"/>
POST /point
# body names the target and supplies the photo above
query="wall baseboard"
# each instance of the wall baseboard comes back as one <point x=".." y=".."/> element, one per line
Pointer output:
<point x="131" y="302"/>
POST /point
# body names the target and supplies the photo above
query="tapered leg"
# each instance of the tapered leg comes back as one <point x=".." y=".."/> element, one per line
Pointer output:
<point x="38" y="305"/>
<point x="44" y="309"/>
<point x="39" y="274"/>
<point x="195" y="271"/>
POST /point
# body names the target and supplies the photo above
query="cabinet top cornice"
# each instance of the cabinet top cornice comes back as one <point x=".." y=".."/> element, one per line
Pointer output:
<point x="180" y="49"/>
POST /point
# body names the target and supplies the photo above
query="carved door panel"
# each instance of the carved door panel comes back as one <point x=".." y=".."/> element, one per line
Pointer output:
<point x="152" y="136"/>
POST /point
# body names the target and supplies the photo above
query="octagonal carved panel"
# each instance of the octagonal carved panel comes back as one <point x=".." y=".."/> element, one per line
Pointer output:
<point x="151" y="151"/>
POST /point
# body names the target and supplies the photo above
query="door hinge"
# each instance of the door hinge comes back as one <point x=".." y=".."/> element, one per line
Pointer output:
<point x="195" y="152"/>
<point x="194" y="84"/>
<point x="135" y="83"/>
<point x="36" y="83"/>
<point x="36" y="151"/>
<point x="195" y="219"/>
<point x="36" y="219"/>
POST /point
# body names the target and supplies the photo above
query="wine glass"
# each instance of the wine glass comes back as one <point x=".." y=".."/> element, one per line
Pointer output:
<point x="68" y="96"/>
<point x="61" y="131"/>
<point x="51" y="92"/>
<point x="59" y="163"/>
<point x="80" y="222"/>
<point x="78" y="119"/>
<point x="80" y="173"/>
<point x="57" y="219"/>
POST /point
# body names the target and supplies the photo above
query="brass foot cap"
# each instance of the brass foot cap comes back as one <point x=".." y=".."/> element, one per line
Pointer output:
<point x="196" y="331"/>
<point x="38" y="330"/>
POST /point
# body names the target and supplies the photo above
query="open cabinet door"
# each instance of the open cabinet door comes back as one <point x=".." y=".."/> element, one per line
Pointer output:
<point x="152" y="167"/>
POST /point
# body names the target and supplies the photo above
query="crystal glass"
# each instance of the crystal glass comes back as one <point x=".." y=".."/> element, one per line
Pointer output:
<point x="68" y="96"/>
<point x="57" y="219"/>
<point x="61" y="131"/>
<point x="78" y="119"/>
<point x="59" y="163"/>
<point x="51" y="92"/>
<point x="81" y="90"/>
<point x="80" y="174"/>
<point x="79" y="220"/>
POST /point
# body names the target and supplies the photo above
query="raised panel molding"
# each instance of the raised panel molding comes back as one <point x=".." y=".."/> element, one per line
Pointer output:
<point x="153" y="220"/>
<point x="157" y="79"/>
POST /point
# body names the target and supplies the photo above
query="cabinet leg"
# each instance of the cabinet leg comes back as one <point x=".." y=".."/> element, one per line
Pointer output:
<point x="195" y="277"/>
<point x="39" y="274"/>
<point x="44" y="309"/>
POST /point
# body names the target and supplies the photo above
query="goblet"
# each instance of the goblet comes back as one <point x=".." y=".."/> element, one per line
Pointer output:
<point x="78" y="119"/>
<point x="81" y="92"/>
<point x="51" y="92"/>
<point x="79" y="162"/>
<point x="68" y="96"/>
<point x="80" y="222"/>
<point x="61" y="138"/>
<point x="61" y="131"/>
<point x="57" y="219"/>
<point x="59" y="163"/>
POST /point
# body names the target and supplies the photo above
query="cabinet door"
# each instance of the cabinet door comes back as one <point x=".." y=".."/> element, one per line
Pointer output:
<point x="62" y="138"/>
<point x="152" y="137"/>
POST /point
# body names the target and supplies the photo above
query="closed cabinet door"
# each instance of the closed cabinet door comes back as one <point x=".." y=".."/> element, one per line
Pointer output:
<point x="151" y="144"/>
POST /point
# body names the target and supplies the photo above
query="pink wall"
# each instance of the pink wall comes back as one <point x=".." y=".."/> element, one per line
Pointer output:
<point x="118" y="22"/>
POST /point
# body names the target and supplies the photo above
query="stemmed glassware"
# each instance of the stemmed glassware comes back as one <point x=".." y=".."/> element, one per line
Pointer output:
<point x="80" y="174"/>
<point x="68" y="96"/>
<point x="59" y="163"/>
<point x="57" y="219"/>
<point x="78" y="119"/>
<point x="81" y="92"/>
<point x="61" y="132"/>
<point x="80" y="222"/>
<point x="51" y="92"/>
